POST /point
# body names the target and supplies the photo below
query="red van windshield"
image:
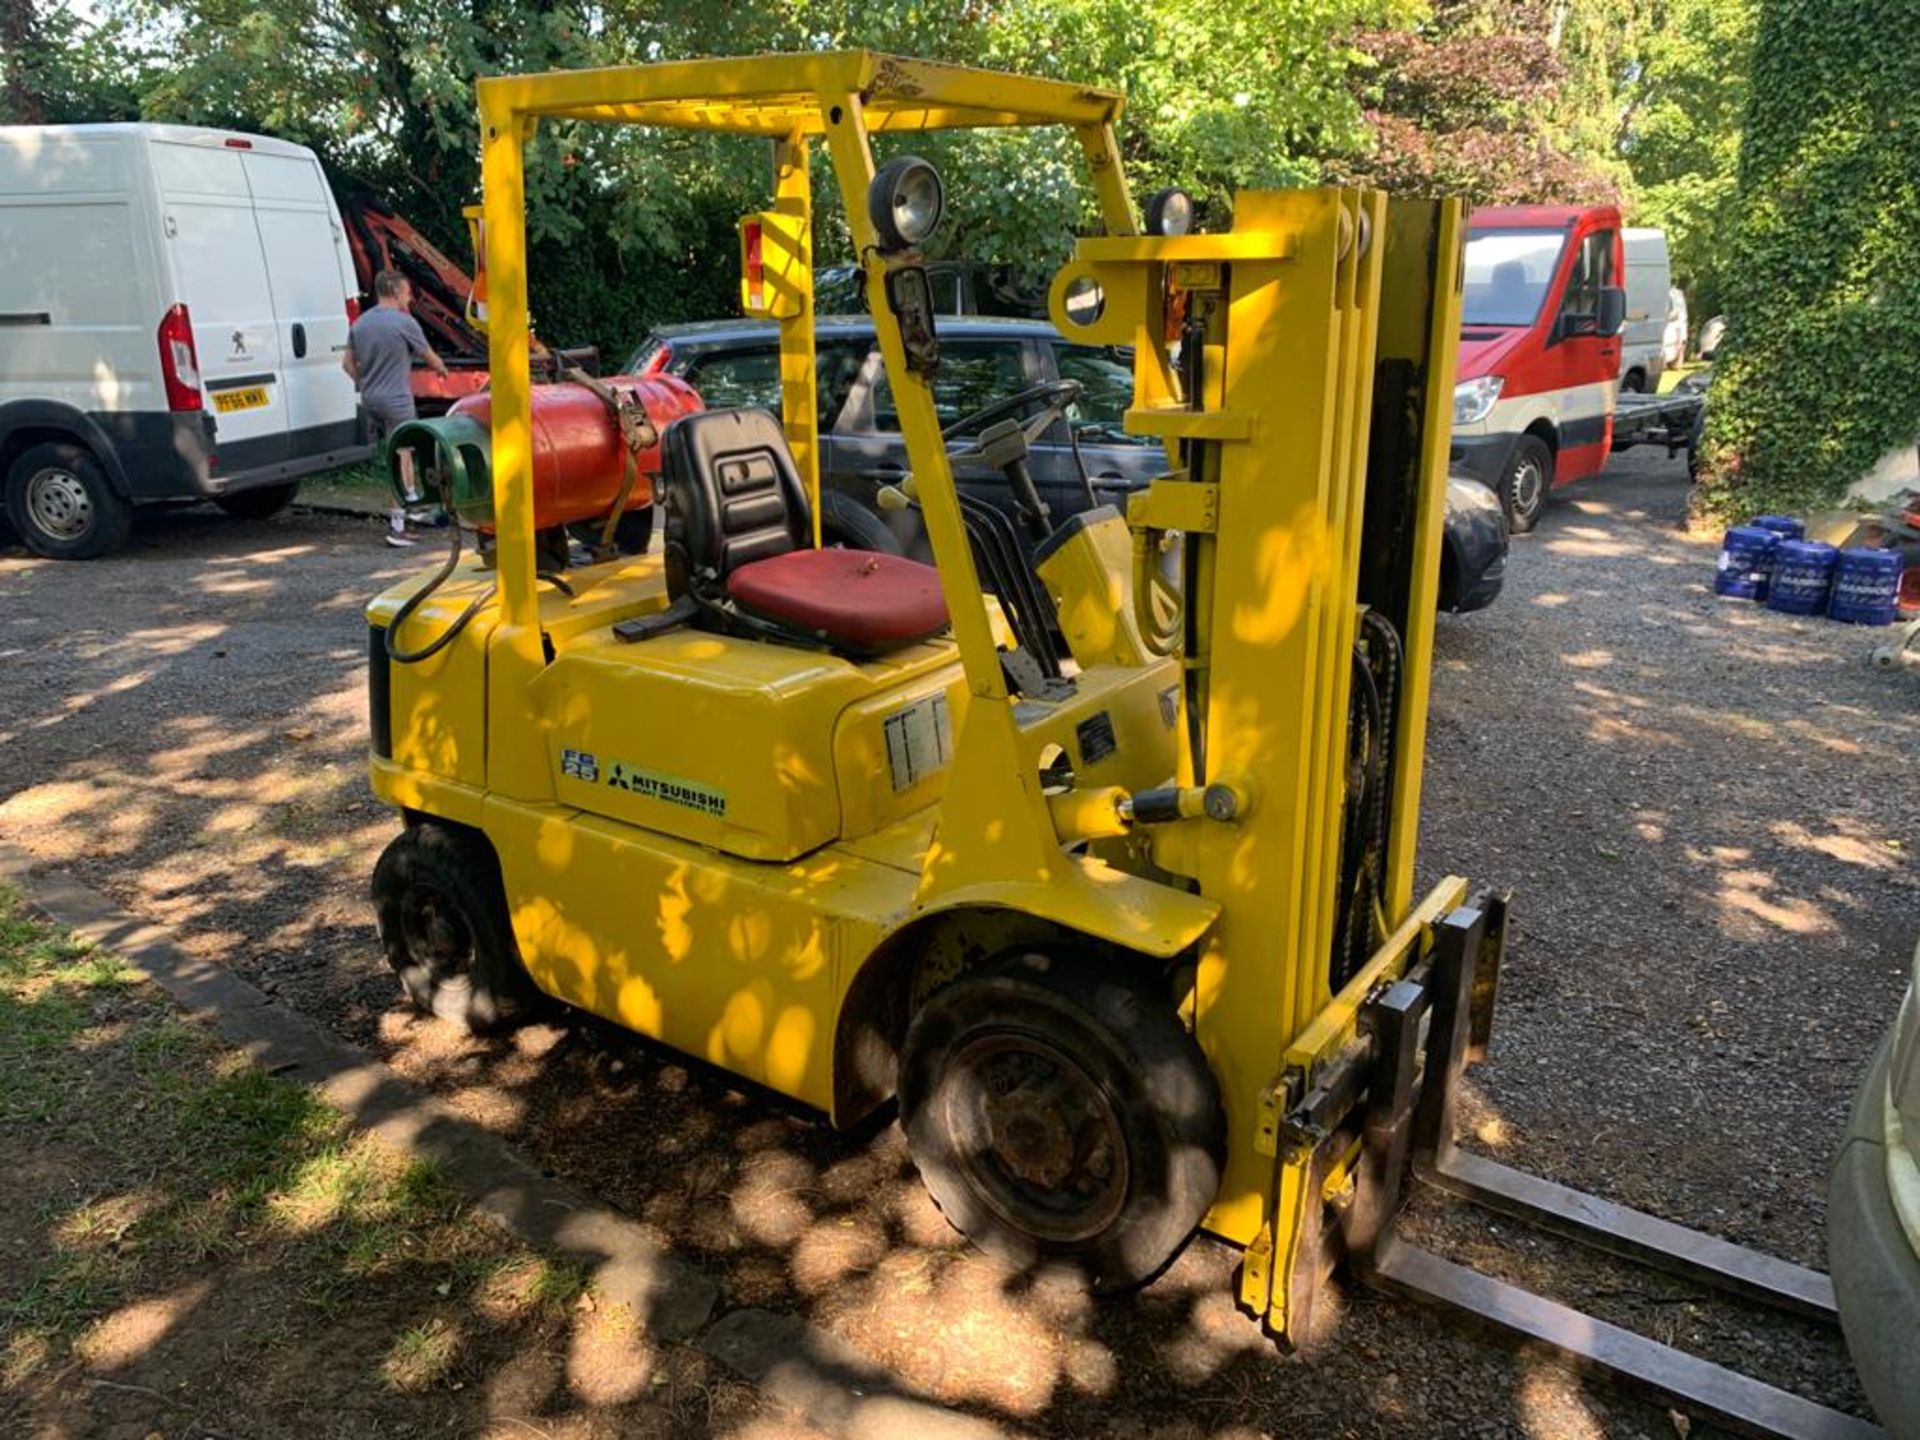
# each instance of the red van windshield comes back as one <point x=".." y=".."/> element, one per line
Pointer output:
<point x="1508" y="272"/>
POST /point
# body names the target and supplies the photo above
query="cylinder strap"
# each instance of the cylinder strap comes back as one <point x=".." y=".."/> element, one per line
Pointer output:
<point x="636" y="432"/>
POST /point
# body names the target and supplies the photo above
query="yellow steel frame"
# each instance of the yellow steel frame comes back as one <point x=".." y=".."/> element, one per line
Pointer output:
<point x="1301" y="298"/>
<point x="843" y="97"/>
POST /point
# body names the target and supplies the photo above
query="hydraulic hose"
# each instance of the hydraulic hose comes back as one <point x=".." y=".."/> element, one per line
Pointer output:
<point x="414" y="601"/>
<point x="1159" y="636"/>
<point x="1385" y="654"/>
<point x="1376" y="679"/>
<point x="1365" y="722"/>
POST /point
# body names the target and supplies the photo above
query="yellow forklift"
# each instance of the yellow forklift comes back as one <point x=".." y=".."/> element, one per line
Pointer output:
<point x="1092" y="845"/>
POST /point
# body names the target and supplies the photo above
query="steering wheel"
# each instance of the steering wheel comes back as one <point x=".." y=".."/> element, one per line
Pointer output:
<point x="1055" y="397"/>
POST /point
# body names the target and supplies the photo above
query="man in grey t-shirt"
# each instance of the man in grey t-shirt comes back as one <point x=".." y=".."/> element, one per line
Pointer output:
<point x="380" y="352"/>
<point x="379" y="356"/>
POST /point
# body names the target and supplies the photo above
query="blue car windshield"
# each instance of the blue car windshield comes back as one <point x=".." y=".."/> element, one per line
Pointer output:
<point x="1508" y="272"/>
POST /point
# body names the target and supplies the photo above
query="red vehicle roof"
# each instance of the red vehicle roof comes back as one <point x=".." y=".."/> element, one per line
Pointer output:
<point x="1539" y="217"/>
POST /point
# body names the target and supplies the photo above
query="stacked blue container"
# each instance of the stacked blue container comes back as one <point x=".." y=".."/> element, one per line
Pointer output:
<point x="1787" y="527"/>
<point x="1802" y="577"/>
<point x="1746" y="560"/>
<point x="1866" y="587"/>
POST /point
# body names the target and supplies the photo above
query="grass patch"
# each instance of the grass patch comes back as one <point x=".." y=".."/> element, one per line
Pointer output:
<point x="422" y="1356"/>
<point x="361" y="475"/>
<point x="151" y="1162"/>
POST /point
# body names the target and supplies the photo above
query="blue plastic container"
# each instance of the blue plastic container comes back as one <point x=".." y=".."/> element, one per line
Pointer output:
<point x="1746" y="561"/>
<point x="1866" y="587"/>
<point x="1787" y="527"/>
<point x="1802" y="577"/>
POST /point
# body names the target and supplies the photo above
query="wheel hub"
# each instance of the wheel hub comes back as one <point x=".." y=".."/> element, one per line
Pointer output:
<point x="1034" y="1143"/>
<point x="58" y="504"/>
<point x="1526" y="486"/>
<point x="1049" y="1153"/>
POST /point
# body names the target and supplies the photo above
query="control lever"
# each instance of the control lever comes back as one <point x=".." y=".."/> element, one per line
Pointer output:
<point x="904" y="496"/>
<point x="1005" y="447"/>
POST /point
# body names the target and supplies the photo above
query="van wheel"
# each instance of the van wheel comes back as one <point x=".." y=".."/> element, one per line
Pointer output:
<point x="443" y="922"/>
<point x="61" y="502"/>
<point x="259" y="503"/>
<point x="1526" y="484"/>
<point x="1634" y="382"/>
<point x="1060" y="1113"/>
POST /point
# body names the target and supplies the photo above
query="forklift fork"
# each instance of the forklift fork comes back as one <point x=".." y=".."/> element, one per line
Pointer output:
<point x="1455" y="996"/>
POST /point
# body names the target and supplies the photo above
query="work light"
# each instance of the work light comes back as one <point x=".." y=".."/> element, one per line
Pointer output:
<point x="904" y="202"/>
<point x="1169" y="212"/>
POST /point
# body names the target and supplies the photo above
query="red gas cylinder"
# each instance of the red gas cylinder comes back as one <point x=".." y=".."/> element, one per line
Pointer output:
<point x="579" y="459"/>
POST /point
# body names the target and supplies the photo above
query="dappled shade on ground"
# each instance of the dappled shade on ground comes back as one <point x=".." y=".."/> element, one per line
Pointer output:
<point x="193" y="1245"/>
<point x="1703" y="810"/>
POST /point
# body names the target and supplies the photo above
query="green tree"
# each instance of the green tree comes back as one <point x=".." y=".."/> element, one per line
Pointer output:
<point x="57" y="67"/>
<point x="1597" y="43"/>
<point x="1217" y="97"/>
<point x="20" y="88"/>
<point x="1684" y="106"/>
<point x="632" y="229"/>
<point x="1464" y="101"/>
<point x="1820" y="373"/>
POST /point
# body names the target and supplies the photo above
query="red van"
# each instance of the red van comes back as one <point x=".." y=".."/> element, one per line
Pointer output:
<point x="1539" y="350"/>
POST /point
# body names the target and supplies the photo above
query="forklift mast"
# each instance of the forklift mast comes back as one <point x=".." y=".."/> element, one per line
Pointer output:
<point x="1309" y="296"/>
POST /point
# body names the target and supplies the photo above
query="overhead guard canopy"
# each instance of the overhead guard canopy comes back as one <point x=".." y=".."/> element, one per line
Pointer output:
<point x="778" y="95"/>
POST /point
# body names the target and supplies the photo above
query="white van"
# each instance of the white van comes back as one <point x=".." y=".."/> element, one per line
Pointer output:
<point x="1649" y="292"/>
<point x="173" y="306"/>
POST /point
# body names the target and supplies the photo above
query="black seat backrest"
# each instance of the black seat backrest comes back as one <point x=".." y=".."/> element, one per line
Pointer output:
<point x="733" y="493"/>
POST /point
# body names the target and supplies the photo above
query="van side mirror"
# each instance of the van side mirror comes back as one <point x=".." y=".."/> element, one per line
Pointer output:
<point x="1613" y="310"/>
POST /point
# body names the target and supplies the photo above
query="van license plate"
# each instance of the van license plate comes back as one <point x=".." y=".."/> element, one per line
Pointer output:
<point x="253" y="397"/>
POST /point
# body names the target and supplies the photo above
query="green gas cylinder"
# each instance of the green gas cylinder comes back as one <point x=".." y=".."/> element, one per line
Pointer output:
<point x="447" y="458"/>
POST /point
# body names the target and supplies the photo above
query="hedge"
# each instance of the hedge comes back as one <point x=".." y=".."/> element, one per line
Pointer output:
<point x="1819" y="376"/>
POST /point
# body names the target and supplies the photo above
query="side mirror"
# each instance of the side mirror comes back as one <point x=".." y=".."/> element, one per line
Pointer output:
<point x="1613" y="310"/>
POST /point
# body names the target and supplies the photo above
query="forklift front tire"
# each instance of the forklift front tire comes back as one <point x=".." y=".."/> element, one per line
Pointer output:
<point x="443" y="922"/>
<point x="1061" y="1114"/>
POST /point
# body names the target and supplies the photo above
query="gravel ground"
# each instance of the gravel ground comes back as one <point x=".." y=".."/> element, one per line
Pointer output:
<point x="1706" y="812"/>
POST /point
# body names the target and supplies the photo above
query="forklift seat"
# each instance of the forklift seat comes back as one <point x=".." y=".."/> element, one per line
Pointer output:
<point x="738" y="531"/>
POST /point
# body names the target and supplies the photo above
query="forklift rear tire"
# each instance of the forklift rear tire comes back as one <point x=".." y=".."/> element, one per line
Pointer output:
<point x="259" y="502"/>
<point x="443" y="921"/>
<point x="1060" y="1114"/>
<point x="1526" y="483"/>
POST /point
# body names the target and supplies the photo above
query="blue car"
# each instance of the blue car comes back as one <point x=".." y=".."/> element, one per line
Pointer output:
<point x="985" y="359"/>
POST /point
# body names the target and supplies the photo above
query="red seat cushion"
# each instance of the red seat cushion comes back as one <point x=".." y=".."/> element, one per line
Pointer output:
<point x="855" y="598"/>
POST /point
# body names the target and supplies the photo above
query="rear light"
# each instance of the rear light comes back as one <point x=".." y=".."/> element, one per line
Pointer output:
<point x="353" y="308"/>
<point x="234" y="142"/>
<point x="756" y="271"/>
<point x="179" y="361"/>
